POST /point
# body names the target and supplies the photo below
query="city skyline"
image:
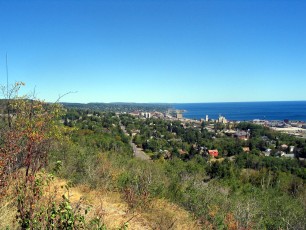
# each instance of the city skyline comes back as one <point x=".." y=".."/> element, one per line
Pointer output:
<point x="156" y="51"/>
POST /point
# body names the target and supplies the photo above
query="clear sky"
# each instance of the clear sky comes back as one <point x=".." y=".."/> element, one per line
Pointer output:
<point x="156" y="50"/>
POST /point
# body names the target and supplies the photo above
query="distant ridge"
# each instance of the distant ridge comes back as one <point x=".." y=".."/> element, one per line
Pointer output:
<point x="118" y="106"/>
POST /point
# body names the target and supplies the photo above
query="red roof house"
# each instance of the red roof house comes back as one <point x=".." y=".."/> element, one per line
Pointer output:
<point x="213" y="153"/>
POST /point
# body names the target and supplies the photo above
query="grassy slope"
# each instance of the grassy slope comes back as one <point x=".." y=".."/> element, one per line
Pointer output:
<point x="113" y="210"/>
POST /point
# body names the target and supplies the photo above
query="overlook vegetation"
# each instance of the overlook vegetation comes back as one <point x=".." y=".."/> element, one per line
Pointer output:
<point x="251" y="190"/>
<point x="236" y="190"/>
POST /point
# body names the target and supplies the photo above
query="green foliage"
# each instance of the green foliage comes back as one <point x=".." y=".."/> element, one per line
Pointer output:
<point x="248" y="191"/>
<point x="237" y="191"/>
<point x="252" y="161"/>
<point x="38" y="209"/>
<point x="233" y="194"/>
<point x="118" y="107"/>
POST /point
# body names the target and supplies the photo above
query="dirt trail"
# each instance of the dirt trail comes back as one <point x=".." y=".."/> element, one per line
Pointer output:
<point x="115" y="212"/>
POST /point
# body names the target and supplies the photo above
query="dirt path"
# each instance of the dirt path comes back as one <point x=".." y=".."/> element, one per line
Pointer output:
<point x="112" y="210"/>
<point x="115" y="212"/>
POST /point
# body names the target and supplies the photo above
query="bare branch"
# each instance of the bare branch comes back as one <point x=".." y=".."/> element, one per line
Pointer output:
<point x="65" y="94"/>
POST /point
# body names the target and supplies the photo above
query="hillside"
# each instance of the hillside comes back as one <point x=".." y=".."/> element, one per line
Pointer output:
<point x="113" y="211"/>
<point x="183" y="189"/>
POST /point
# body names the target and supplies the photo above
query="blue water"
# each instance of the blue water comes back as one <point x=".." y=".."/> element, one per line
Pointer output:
<point x="245" y="111"/>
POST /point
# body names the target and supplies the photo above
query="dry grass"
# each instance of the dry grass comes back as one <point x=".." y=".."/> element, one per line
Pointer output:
<point x="112" y="210"/>
<point x="8" y="209"/>
<point x="165" y="215"/>
<point x="7" y="214"/>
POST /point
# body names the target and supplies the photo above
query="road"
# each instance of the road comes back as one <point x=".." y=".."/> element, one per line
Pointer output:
<point x="138" y="152"/>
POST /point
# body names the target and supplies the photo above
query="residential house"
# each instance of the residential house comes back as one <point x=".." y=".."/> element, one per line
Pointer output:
<point x="284" y="146"/>
<point x="289" y="155"/>
<point x="267" y="152"/>
<point x="246" y="149"/>
<point x="242" y="135"/>
<point x="213" y="152"/>
<point x="291" y="149"/>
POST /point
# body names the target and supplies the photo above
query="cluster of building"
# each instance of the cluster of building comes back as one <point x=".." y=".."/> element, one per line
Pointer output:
<point x="221" y="119"/>
<point x="283" y="151"/>
<point x="291" y="127"/>
<point x="280" y="124"/>
<point x="295" y="128"/>
<point x="146" y="114"/>
<point x="170" y="114"/>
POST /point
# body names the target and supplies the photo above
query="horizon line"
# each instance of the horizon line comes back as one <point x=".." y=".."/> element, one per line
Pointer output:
<point x="122" y="102"/>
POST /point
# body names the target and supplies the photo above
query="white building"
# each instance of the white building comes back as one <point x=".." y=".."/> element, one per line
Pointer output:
<point x="222" y="120"/>
<point x="146" y="114"/>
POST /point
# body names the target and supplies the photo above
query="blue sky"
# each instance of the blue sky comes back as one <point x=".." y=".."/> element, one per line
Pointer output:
<point x="156" y="50"/>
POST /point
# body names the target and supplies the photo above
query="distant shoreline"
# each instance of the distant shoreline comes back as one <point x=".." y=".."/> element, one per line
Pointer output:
<point x="246" y="111"/>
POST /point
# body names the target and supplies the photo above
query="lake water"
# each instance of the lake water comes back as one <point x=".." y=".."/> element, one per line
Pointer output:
<point x="243" y="111"/>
